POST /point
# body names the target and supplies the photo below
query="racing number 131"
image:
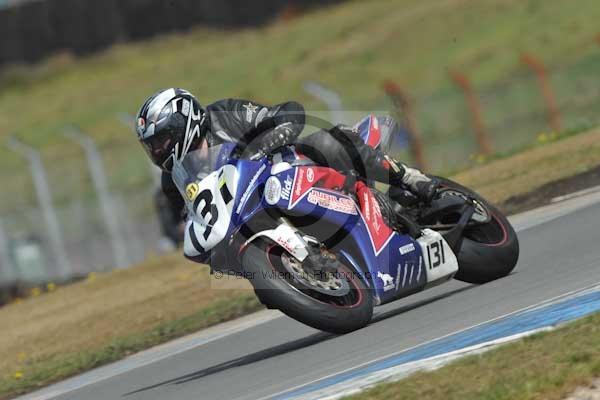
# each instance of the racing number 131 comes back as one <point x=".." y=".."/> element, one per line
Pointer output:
<point x="439" y="257"/>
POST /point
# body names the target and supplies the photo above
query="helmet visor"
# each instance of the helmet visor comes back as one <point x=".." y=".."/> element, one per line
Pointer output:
<point x="160" y="150"/>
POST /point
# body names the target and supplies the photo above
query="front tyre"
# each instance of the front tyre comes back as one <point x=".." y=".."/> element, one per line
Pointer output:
<point x="489" y="251"/>
<point x="263" y="263"/>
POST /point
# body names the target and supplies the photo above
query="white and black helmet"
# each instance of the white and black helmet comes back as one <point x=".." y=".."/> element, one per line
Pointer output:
<point x="169" y="124"/>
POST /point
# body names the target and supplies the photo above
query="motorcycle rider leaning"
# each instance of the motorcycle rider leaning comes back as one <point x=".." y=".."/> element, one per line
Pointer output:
<point x="171" y="123"/>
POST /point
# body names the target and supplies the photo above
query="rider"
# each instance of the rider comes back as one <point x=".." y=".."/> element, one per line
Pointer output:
<point x="172" y="123"/>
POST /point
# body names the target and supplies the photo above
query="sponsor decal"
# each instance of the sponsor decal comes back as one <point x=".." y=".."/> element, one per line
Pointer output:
<point x="407" y="248"/>
<point x="249" y="188"/>
<point x="300" y="187"/>
<point x="388" y="281"/>
<point x="332" y="202"/>
<point x="287" y="188"/>
<point x="306" y="177"/>
<point x="272" y="191"/>
<point x="298" y="191"/>
<point x="367" y="208"/>
<point x="436" y="254"/>
<point x="310" y="175"/>
<point x="186" y="107"/>
<point x="250" y="110"/>
<point x="192" y="190"/>
<point x="379" y="232"/>
<point x="286" y="243"/>
<point x="377" y="219"/>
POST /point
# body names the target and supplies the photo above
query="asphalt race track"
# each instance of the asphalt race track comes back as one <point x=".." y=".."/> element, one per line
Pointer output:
<point x="268" y="355"/>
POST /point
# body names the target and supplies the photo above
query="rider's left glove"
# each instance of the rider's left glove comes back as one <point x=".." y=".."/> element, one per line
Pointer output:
<point x="280" y="136"/>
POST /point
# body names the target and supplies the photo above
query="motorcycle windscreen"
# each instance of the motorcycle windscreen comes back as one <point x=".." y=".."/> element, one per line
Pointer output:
<point x="208" y="184"/>
<point x="198" y="164"/>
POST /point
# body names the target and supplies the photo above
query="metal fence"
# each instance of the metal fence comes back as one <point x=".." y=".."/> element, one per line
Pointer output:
<point x="77" y="220"/>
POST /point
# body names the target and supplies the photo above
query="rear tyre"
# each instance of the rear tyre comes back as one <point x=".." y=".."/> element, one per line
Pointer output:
<point x="337" y="315"/>
<point x="489" y="251"/>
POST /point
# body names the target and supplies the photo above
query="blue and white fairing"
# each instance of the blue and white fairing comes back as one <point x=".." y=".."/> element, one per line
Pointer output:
<point x="219" y="203"/>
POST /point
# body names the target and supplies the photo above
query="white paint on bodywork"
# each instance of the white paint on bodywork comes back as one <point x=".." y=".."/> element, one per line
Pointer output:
<point x="280" y="167"/>
<point x="287" y="237"/>
<point x="442" y="254"/>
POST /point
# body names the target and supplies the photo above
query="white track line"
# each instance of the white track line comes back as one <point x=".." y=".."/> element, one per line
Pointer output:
<point x="399" y="372"/>
<point x="538" y="216"/>
<point x="576" y="194"/>
<point x="153" y="355"/>
<point x="376" y="360"/>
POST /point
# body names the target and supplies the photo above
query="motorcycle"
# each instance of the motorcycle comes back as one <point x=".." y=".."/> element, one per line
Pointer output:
<point x="325" y="247"/>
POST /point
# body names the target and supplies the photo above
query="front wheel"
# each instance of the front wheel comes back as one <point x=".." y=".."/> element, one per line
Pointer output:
<point x="279" y="283"/>
<point x="489" y="251"/>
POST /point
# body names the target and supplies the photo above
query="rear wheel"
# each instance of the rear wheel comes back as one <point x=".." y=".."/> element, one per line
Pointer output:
<point x="333" y="302"/>
<point x="489" y="250"/>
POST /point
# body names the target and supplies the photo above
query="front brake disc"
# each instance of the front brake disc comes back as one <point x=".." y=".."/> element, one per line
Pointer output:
<point x="325" y="282"/>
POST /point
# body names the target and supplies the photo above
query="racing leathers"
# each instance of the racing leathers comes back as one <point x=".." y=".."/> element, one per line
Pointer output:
<point x="262" y="128"/>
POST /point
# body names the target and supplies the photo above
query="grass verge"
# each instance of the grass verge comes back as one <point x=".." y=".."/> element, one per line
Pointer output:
<point x="528" y="170"/>
<point x="547" y="366"/>
<point x="44" y="371"/>
<point x="109" y="316"/>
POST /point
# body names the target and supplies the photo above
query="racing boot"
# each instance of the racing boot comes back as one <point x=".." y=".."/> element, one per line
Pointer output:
<point x="401" y="176"/>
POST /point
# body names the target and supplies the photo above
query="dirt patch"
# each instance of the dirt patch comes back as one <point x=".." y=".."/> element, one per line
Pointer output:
<point x="587" y="393"/>
<point x="544" y="194"/>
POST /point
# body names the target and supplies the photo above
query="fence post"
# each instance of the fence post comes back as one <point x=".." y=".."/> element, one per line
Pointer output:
<point x="405" y="107"/>
<point x="541" y="74"/>
<point x="128" y="121"/>
<point x="44" y="196"/>
<point x="481" y="136"/>
<point x="109" y="211"/>
<point x="331" y="98"/>
<point x="7" y="271"/>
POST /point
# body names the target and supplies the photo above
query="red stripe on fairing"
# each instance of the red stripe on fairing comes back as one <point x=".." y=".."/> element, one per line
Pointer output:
<point x="306" y="178"/>
<point x="374" y="137"/>
<point x="379" y="233"/>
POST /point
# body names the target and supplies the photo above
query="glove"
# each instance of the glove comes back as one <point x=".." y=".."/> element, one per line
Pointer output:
<point x="280" y="136"/>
